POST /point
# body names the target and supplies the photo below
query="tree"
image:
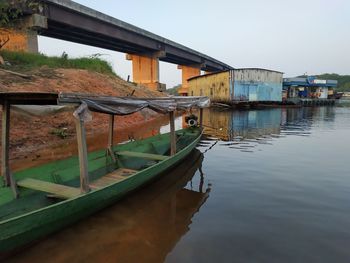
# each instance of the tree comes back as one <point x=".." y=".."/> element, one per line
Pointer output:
<point x="174" y="90"/>
<point x="10" y="12"/>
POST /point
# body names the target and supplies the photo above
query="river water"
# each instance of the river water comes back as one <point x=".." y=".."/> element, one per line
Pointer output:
<point x="267" y="185"/>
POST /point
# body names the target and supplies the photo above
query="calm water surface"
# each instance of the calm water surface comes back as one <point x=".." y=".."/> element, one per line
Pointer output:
<point x="263" y="186"/>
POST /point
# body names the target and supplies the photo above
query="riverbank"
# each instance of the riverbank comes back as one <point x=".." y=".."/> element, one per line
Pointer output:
<point x="30" y="134"/>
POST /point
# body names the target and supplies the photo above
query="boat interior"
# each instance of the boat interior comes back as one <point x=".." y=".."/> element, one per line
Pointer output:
<point x="54" y="182"/>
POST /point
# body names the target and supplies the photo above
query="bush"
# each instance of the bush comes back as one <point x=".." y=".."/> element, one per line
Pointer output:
<point x="27" y="61"/>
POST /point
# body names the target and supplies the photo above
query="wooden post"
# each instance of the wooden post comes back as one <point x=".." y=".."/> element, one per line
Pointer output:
<point x="172" y="133"/>
<point x="83" y="161"/>
<point x="201" y="117"/>
<point x="5" y="139"/>
<point x="110" y="138"/>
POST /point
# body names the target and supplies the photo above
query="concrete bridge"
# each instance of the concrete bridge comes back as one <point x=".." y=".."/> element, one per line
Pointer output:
<point x="70" y="21"/>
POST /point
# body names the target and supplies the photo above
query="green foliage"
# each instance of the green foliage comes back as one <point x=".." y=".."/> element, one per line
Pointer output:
<point x="11" y="10"/>
<point x="28" y="61"/>
<point x="7" y="14"/>
<point x="174" y="90"/>
<point x="62" y="132"/>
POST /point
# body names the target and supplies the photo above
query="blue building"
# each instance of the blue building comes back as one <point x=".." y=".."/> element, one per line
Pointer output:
<point x="256" y="84"/>
<point x="308" y="87"/>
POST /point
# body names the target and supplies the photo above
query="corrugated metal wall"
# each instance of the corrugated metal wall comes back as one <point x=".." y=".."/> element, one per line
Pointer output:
<point x="257" y="85"/>
<point x="216" y="86"/>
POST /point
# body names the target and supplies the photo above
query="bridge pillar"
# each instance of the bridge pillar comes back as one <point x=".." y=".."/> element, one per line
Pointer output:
<point x="19" y="40"/>
<point x="24" y="35"/>
<point x="187" y="72"/>
<point x="145" y="71"/>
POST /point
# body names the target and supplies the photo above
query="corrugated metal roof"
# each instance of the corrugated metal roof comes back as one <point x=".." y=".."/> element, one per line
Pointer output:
<point x="209" y="74"/>
<point x="217" y="72"/>
<point x="259" y="69"/>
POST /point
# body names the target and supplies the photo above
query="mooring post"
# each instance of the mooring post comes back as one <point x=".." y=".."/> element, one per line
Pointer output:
<point x="201" y="117"/>
<point x="110" y="137"/>
<point x="5" y="139"/>
<point x="83" y="160"/>
<point x="172" y="133"/>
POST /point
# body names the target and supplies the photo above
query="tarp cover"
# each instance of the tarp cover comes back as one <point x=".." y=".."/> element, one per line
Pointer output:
<point x="129" y="105"/>
<point x="39" y="110"/>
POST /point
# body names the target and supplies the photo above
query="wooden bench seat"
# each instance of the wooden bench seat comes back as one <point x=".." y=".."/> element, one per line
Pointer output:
<point x="111" y="178"/>
<point x="58" y="190"/>
<point x="149" y="156"/>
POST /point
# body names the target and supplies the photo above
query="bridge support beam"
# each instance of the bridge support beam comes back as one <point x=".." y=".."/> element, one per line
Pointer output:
<point x="145" y="71"/>
<point x="23" y="36"/>
<point x="187" y="72"/>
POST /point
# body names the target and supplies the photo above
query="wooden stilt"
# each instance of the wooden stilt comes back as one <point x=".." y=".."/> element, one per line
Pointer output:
<point x="83" y="161"/>
<point x="5" y="139"/>
<point x="110" y="138"/>
<point x="172" y="133"/>
<point x="201" y="117"/>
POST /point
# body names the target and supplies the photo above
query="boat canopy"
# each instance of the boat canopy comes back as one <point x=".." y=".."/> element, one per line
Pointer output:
<point x="37" y="104"/>
<point x="129" y="105"/>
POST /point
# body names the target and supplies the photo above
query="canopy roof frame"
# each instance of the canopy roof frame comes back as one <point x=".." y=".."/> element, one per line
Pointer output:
<point x="83" y="102"/>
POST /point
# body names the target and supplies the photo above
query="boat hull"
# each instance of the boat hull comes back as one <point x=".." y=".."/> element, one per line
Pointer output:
<point x="21" y="230"/>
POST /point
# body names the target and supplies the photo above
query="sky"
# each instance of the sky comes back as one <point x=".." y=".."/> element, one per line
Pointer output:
<point x="292" y="36"/>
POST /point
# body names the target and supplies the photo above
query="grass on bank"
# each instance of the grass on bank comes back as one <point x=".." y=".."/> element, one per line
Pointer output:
<point x="29" y="61"/>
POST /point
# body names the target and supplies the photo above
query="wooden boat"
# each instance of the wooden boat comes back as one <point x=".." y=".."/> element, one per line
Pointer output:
<point x="159" y="214"/>
<point x="38" y="201"/>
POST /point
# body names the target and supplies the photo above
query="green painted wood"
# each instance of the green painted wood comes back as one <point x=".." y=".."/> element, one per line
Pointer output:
<point x="143" y="155"/>
<point x="56" y="189"/>
<point x="33" y="215"/>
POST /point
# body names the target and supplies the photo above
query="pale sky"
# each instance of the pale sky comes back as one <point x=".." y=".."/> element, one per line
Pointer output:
<point x="292" y="36"/>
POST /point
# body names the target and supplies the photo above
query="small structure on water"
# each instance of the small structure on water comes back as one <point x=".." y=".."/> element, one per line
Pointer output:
<point x="243" y="86"/>
<point x="309" y="91"/>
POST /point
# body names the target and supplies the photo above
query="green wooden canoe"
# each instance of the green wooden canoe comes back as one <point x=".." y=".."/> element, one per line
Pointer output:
<point x="50" y="197"/>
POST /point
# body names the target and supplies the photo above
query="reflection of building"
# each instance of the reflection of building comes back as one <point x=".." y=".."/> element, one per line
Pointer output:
<point x="299" y="89"/>
<point x="302" y="118"/>
<point x="235" y="86"/>
<point x="257" y="124"/>
<point x="248" y="124"/>
<point x="144" y="227"/>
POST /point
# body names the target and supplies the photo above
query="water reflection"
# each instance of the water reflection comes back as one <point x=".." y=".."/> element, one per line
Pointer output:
<point x="245" y="130"/>
<point x="143" y="227"/>
<point x="68" y="147"/>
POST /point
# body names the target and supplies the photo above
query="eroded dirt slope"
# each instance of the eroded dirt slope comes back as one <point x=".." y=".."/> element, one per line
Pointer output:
<point x="31" y="134"/>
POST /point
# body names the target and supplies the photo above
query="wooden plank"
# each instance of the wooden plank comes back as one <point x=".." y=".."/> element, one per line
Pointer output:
<point x="5" y="139"/>
<point x="103" y="182"/>
<point x="58" y="190"/>
<point x="121" y="173"/>
<point x="111" y="178"/>
<point x="172" y="133"/>
<point x="149" y="156"/>
<point x="83" y="160"/>
<point x="16" y="73"/>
